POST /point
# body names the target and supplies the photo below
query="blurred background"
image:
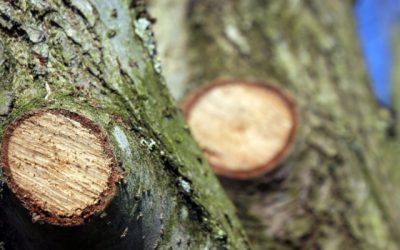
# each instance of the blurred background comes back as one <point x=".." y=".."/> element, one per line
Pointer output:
<point x="378" y="25"/>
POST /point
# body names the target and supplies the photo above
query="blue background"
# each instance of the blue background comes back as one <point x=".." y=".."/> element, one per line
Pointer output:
<point x="375" y="22"/>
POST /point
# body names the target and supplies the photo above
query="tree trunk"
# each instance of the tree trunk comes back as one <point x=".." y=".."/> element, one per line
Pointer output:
<point x="337" y="189"/>
<point x="89" y="69"/>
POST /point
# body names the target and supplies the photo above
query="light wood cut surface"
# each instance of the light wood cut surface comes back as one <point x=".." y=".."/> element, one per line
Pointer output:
<point x="61" y="164"/>
<point x="241" y="126"/>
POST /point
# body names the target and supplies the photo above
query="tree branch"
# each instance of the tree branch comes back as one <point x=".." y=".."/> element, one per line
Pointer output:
<point x="333" y="191"/>
<point x="97" y="59"/>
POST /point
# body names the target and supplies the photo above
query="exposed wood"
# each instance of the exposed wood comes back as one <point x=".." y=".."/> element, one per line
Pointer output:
<point x="244" y="128"/>
<point x="60" y="165"/>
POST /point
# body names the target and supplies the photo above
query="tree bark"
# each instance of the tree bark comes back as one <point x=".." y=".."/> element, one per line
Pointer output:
<point x="337" y="188"/>
<point x="98" y="59"/>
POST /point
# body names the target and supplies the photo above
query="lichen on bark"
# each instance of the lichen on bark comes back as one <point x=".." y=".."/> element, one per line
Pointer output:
<point x="97" y="58"/>
<point x="334" y="191"/>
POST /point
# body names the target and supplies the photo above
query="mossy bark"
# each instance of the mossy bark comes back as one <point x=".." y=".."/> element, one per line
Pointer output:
<point x="337" y="189"/>
<point x="98" y="58"/>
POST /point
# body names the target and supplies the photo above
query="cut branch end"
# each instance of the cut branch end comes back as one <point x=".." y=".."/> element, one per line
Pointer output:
<point x="60" y="165"/>
<point x="244" y="128"/>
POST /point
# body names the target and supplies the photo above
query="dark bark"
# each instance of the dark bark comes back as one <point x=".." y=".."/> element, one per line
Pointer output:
<point x="98" y="58"/>
<point x="337" y="188"/>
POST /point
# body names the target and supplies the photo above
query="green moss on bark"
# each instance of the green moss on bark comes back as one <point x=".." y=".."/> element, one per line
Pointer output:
<point x="333" y="192"/>
<point x="98" y="58"/>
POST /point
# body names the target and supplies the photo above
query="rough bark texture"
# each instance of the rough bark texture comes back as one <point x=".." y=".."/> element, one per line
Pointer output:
<point x="337" y="190"/>
<point x="98" y="58"/>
